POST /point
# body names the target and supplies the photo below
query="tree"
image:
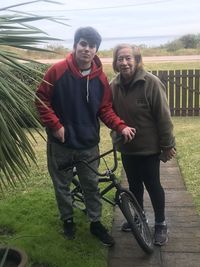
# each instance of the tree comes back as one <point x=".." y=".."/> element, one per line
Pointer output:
<point x="189" y="41"/>
<point x="16" y="151"/>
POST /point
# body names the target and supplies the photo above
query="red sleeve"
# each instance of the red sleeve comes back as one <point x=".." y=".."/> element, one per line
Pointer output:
<point x="43" y="102"/>
<point x="106" y="112"/>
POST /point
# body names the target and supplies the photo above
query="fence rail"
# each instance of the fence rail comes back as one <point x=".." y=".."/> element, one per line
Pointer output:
<point x="183" y="91"/>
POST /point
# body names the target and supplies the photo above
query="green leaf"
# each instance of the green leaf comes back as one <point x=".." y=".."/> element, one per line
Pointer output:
<point x="16" y="96"/>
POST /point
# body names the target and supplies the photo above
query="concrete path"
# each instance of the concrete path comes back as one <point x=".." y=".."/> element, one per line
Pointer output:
<point x="183" y="248"/>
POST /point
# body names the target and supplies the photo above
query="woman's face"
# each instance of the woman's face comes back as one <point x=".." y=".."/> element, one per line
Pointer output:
<point x="126" y="63"/>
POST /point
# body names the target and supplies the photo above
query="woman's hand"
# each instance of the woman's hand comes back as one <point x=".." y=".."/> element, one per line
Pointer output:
<point x="128" y="134"/>
<point x="168" y="154"/>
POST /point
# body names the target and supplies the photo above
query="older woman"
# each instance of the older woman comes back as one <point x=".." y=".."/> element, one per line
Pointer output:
<point x="139" y="99"/>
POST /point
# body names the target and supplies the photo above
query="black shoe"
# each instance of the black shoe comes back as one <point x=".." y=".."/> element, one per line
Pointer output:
<point x="69" y="228"/>
<point x="97" y="229"/>
<point x="125" y="227"/>
<point x="160" y="235"/>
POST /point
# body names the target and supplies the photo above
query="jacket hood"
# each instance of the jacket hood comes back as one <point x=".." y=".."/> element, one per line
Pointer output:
<point x="72" y="65"/>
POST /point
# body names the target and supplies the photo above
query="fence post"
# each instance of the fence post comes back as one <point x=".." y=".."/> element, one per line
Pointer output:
<point x="177" y="92"/>
<point x="190" y="93"/>
<point x="184" y="92"/>
<point x="197" y="92"/>
<point x="171" y="91"/>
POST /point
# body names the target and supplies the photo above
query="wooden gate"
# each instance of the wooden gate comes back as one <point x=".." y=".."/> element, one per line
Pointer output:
<point x="183" y="91"/>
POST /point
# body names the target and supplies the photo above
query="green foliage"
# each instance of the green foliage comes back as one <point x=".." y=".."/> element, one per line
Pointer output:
<point x="29" y="216"/>
<point x="31" y="80"/>
<point x="16" y="96"/>
<point x="187" y="131"/>
<point x="172" y="66"/>
<point x="36" y="228"/>
<point x="189" y="41"/>
<point x="34" y="76"/>
<point x="109" y="71"/>
<point x="105" y="53"/>
<point x="30" y="220"/>
<point x="174" y="46"/>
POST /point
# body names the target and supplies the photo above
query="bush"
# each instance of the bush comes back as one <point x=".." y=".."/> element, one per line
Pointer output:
<point x="189" y="41"/>
<point x="30" y="79"/>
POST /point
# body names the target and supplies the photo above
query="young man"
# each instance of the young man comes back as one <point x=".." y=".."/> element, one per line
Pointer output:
<point x="75" y="93"/>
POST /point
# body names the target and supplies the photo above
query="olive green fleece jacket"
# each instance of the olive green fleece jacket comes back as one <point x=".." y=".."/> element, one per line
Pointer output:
<point x="143" y="105"/>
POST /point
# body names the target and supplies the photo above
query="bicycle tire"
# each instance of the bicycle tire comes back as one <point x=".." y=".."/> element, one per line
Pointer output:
<point x="140" y="229"/>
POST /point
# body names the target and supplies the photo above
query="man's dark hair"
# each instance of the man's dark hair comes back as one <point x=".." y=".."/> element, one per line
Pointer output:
<point x="89" y="34"/>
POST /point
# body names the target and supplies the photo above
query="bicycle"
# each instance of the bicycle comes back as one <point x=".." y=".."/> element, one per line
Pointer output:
<point x="124" y="199"/>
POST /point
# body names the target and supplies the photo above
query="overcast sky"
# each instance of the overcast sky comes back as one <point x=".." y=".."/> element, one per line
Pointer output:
<point x="119" y="18"/>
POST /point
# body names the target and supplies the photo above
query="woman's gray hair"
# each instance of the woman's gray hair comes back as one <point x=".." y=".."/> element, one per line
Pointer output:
<point x="135" y="52"/>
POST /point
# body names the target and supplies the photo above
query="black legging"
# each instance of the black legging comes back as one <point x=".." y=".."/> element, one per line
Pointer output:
<point x="146" y="170"/>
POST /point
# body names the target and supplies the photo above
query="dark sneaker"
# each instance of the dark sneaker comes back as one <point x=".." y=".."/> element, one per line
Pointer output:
<point x="160" y="235"/>
<point x="97" y="229"/>
<point x="125" y="227"/>
<point x="69" y="228"/>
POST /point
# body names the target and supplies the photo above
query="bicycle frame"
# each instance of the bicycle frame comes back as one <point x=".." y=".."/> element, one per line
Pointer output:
<point x="125" y="199"/>
<point x="105" y="177"/>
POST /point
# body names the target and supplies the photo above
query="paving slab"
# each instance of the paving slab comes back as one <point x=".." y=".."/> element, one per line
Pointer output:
<point x="183" y="248"/>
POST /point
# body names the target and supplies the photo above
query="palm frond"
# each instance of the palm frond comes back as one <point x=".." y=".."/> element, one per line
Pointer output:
<point x="16" y="97"/>
<point x="29" y="2"/>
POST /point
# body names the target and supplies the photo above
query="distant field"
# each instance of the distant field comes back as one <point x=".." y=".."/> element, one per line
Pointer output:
<point x="150" y="63"/>
<point x="146" y="59"/>
<point x="172" y="65"/>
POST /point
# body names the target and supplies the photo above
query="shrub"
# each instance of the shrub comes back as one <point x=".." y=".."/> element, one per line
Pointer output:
<point x="31" y="80"/>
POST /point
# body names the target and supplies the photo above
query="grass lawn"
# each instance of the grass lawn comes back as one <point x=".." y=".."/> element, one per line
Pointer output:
<point x="30" y="220"/>
<point x="187" y="131"/>
<point x="29" y="216"/>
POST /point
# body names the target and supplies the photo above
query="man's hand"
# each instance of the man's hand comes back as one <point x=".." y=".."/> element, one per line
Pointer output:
<point x="60" y="134"/>
<point x="128" y="134"/>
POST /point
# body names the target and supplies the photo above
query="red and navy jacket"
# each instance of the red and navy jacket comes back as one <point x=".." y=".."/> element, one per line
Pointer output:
<point x="76" y="102"/>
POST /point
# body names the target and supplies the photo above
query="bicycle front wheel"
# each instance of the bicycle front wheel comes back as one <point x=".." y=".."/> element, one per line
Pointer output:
<point x="136" y="218"/>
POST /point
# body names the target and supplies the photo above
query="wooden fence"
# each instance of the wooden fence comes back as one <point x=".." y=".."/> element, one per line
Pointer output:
<point x="183" y="91"/>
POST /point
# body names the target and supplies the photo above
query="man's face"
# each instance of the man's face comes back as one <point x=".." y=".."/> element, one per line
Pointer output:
<point x="85" y="52"/>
